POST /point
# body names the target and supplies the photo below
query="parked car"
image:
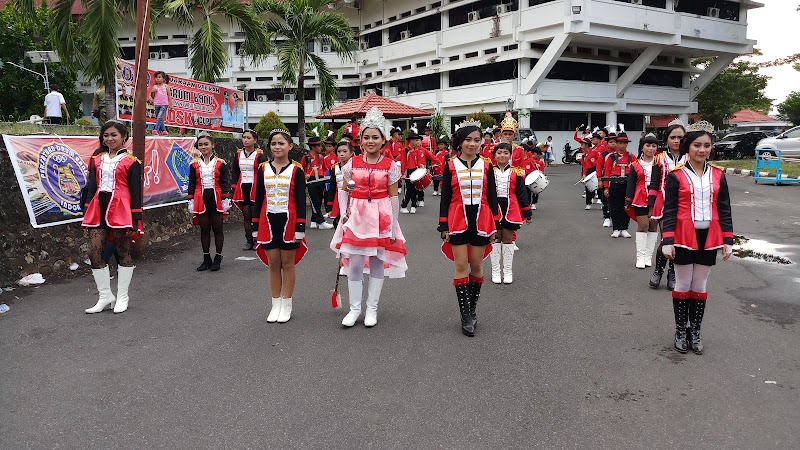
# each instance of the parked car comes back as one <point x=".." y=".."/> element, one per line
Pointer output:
<point x="738" y="145"/>
<point x="528" y="133"/>
<point x="787" y="142"/>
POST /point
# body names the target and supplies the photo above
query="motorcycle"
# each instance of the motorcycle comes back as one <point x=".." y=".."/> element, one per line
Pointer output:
<point x="571" y="156"/>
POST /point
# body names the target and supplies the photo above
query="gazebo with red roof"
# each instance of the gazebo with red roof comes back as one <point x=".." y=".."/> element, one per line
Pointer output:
<point x="750" y="116"/>
<point x="359" y="107"/>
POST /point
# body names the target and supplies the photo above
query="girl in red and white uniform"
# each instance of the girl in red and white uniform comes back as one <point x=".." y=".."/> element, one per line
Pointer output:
<point x="368" y="238"/>
<point x="588" y="165"/>
<point x="467" y="218"/>
<point x="643" y="188"/>
<point x="209" y="202"/>
<point x="243" y="170"/>
<point x="513" y="201"/>
<point x="112" y="205"/>
<point x="344" y="152"/>
<point x="670" y="159"/>
<point x="437" y="168"/>
<point x="697" y="224"/>
<point x="537" y="163"/>
<point x="279" y="217"/>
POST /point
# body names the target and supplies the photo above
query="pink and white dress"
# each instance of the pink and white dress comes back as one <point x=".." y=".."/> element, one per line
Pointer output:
<point x="368" y="231"/>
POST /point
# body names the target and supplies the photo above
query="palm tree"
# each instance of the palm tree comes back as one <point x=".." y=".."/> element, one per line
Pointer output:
<point x="291" y="25"/>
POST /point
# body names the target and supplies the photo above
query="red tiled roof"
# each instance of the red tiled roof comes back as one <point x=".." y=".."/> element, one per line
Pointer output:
<point x="359" y="107"/>
<point x="663" y="121"/>
<point x="748" y="115"/>
<point x="77" y="7"/>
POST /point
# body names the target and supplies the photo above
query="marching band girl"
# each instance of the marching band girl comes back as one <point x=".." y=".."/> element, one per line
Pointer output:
<point x="331" y="159"/>
<point x="601" y="146"/>
<point x="467" y="216"/>
<point x="513" y="201"/>
<point x="368" y="237"/>
<point x="644" y="185"/>
<point x="344" y="152"/>
<point x="113" y="206"/>
<point x="209" y="184"/>
<point x="670" y="158"/>
<point x="697" y="223"/>
<point x="588" y="165"/>
<point x="279" y="217"/>
<point x="437" y="168"/>
<point x="616" y="165"/>
<point x="243" y="170"/>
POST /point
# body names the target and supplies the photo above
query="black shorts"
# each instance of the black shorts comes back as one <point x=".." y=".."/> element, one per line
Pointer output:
<point x="504" y="224"/>
<point x="641" y="211"/>
<point x="470" y="235"/>
<point x="210" y="201"/>
<point x="103" y="200"/>
<point x="277" y="223"/>
<point x="246" y="188"/>
<point x="685" y="256"/>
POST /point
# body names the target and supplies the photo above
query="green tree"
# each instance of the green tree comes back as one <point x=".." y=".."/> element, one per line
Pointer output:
<point x="738" y="87"/>
<point x="484" y="118"/>
<point x="437" y="124"/>
<point x="291" y="26"/>
<point x="21" y="92"/>
<point x="790" y="108"/>
<point x="269" y="122"/>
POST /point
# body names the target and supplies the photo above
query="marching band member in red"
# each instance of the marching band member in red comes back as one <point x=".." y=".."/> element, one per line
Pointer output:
<point x="330" y="161"/>
<point x="368" y="237"/>
<point x="353" y="129"/>
<point x="437" y="168"/>
<point x="113" y="206"/>
<point x="394" y="148"/>
<point x="513" y="201"/>
<point x="538" y="164"/>
<point x="508" y="131"/>
<point x="588" y="165"/>
<point x="616" y="165"/>
<point x="279" y="215"/>
<point x="467" y="218"/>
<point x="415" y="159"/>
<point x="243" y="170"/>
<point x="428" y="141"/>
<point x="600" y="145"/>
<point x="314" y="168"/>
<point x="644" y="185"/>
<point x="488" y="144"/>
<point x="671" y="159"/>
<point x="496" y="138"/>
<point x="209" y="184"/>
<point x="697" y="223"/>
<point x="344" y="151"/>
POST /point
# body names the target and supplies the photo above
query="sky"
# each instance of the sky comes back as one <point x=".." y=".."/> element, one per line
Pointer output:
<point x="775" y="28"/>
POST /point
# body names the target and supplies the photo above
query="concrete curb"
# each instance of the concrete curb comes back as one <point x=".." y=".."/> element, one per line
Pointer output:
<point x="750" y="173"/>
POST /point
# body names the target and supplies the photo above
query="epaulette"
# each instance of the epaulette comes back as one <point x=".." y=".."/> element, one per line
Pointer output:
<point x="220" y="159"/>
<point x="239" y="150"/>
<point x="298" y="165"/>
<point x="678" y="167"/>
<point x="519" y="171"/>
<point x="129" y="155"/>
<point x="453" y="158"/>
<point x="716" y="166"/>
<point x="263" y="164"/>
<point x="486" y="160"/>
<point x="259" y="151"/>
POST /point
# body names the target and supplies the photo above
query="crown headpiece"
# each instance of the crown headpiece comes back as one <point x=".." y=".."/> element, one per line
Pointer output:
<point x="374" y="119"/>
<point x="677" y="121"/>
<point x="280" y="130"/>
<point x="469" y="123"/>
<point x="700" y="126"/>
<point x="509" y="123"/>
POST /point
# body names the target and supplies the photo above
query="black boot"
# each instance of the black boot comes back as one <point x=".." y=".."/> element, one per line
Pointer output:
<point x="249" y="243"/>
<point x="475" y="285"/>
<point x="206" y="263"/>
<point x="217" y="262"/>
<point x="658" y="272"/>
<point x="697" y="309"/>
<point x="671" y="276"/>
<point x="467" y="325"/>
<point x="681" y="310"/>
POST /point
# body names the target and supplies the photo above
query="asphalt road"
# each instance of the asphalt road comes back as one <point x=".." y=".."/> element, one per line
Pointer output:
<point x="577" y="353"/>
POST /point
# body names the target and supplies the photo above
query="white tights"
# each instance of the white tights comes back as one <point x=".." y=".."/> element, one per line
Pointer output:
<point x="356" y="268"/>
<point x="691" y="277"/>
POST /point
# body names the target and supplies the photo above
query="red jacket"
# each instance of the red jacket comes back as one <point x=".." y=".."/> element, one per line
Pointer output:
<point x="453" y="212"/>
<point x="486" y="150"/>
<point x="313" y="166"/>
<point x="589" y="161"/>
<point x="415" y="158"/>
<point x="638" y="193"/>
<point x="222" y="184"/>
<point x="236" y="174"/>
<point x="442" y="156"/>
<point x="678" y="214"/>
<point x="518" y="198"/>
<point x="616" y="164"/>
<point x="601" y="148"/>
<point x="295" y="201"/>
<point x="125" y="206"/>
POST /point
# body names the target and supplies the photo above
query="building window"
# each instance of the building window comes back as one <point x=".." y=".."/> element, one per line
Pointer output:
<point x="128" y="53"/>
<point x="597" y="120"/>
<point x="578" y="71"/>
<point x="418" y="84"/>
<point x="538" y="2"/>
<point x="656" y="77"/>
<point x="374" y="39"/>
<point x="167" y="51"/>
<point x="631" y="122"/>
<point x="727" y="10"/>
<point x="376" y="87"/>
<point x="506" y="70"/>
<point x="652" y="3"/>
<point x="277" y="95"/>
<point x="348" y="93"/>
<point x="484" y="8"/>
<point x="557" y="121"/>
<point x="351" y="76"/>
<point x="417" y="27"/>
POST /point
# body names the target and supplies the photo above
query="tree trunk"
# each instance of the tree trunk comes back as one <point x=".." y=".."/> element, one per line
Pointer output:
<point x="301" y="105"/>
<point x="111" y="99"/>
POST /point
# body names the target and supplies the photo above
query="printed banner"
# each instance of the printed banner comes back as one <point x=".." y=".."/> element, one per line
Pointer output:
<point x="195" y="104"/>
<point x="52" y="170"/>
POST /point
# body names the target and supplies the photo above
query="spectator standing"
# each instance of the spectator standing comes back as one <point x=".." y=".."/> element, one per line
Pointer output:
<point x="54" y="105"/>
<point x="99" y="104"/>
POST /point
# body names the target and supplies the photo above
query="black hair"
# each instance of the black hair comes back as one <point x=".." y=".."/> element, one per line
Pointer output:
<point x="121" y="128"/>
<point x="354" y="118"/>
<point x="346" y="143"/>
<point x="161" y="72"/>
<point x="691" y="137"/>
<point x="487" y="133"/>
<point x="204" y="136"/>
<point x="672" y="128"/>
<point x="502" y="146"/>
<point x="461" y="134"/>
<point x="252" y="133"/>
<point x="373" y="128"/>
<point x="53" y="87"/>
<point x="282" y="132"/>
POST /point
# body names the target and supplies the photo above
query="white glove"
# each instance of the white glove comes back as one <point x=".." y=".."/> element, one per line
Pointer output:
<point x="191" y="206"/>
<point x="299" y="236"/>
<point x="668" y="250"/>
<point x="255" y="233"/>
<point x="727" y="250"/>
<point x="395" y="215"/>
<point x="226" y="204"/>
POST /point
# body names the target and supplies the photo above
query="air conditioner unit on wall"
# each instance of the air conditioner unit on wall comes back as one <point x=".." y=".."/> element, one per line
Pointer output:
<point x="369" y="91"/>
<point x="713" y="12"/>
<point x="326" y="49"/>
<point x="472" y="16"/>
<point x="155" y="55"/>
<point x="501" y="8"/>
<point x="635" y="2"/>
<point x="261" y="98"/>
<point x="405" y="34"/>
<point x="164" y="55"/>
<point x="391" y="92"/>
<point x="363" y="45"/>
<point x="289" y="97"/>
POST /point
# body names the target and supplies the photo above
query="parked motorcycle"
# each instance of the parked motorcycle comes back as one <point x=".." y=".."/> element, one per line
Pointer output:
<point x="571" y="156"/>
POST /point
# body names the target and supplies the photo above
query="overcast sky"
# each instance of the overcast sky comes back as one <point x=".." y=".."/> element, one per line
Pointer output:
<point x="775" y="27"/>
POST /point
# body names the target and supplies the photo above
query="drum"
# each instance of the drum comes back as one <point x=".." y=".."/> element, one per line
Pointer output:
<point x="317" y="181"/>
<point x="536" y="182"/>
<point x="590" y="181"/>
<point x="421" y="178"/>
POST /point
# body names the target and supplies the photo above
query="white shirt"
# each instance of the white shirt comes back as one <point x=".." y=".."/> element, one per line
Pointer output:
<point x="701" y="200"/>
<point x="276" y="187"/>
<point x="52" y="103"/>
<point x="108" y="166"/>
<point x="246" y="166"/>
<point x="672" y="161"/>
<point x="648" y="171"/>
<point x="502" y="178"/>
<point x="207" y="172"/>
<point x="470" y="181"/>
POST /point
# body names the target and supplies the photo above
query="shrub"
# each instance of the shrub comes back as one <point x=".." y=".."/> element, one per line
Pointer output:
<point x="485" y="119"/>
<point x="269" y="122"/>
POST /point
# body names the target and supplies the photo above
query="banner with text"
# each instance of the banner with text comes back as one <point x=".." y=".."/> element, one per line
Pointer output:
<point x="195" y="104"/>
<point x="52" y="170"/>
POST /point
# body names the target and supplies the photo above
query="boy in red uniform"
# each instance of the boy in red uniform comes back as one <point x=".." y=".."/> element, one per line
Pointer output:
<point x="314" y="167"/>
<point x="330" y="160"/>
<point x="588" y="166"/>
<point x="437" y="168"/>
<point x="617" y="165"/>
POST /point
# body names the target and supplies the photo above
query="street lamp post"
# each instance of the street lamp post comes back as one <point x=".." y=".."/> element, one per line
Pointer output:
<point x="37" y="57"/>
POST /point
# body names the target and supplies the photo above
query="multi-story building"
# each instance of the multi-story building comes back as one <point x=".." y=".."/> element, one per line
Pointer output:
<point x="560" y="63"/>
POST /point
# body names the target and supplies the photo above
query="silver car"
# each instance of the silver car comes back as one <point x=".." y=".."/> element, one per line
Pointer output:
<point x="787" y="142"/>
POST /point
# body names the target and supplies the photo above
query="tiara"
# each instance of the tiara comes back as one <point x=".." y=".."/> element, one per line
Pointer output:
<point x="469" y="123"/>
<point x="280" y="130"/>
<point x="677" y="121"/>
<point x="374" y="119"/>
<point x="700" y="126"/>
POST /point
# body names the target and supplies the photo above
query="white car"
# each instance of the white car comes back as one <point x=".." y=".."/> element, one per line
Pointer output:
<point x="787" y="142"/>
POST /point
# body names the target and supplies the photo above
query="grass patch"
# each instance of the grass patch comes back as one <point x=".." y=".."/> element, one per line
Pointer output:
<point x="31" y="128"/>
<point x="792" y="169"/>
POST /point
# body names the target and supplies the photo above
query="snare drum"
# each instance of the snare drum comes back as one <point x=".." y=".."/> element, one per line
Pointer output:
<point x="537" y="182"/>
<point x="421" y="178"/>
<point x="590" y="181"/>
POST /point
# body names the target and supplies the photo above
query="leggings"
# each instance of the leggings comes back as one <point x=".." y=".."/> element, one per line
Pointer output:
<point x="410" y="195"/>
<point x="210" y="222"/>
<point x="691" y="277"/>
<point x="97" y="241"/>
<point x="356" y="268"/>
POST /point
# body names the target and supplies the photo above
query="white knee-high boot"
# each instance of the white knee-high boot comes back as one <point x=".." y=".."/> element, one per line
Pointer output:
<point x="641" y="248"/>
<point x="373" y="296"/>
<point x="354" y="290"/>
<point x="124" y="275"/>
<point x="102" y="279"/>
<point x="508" y="263"/>
<point x="494" y="256"/>
<point x="652" y="241"/>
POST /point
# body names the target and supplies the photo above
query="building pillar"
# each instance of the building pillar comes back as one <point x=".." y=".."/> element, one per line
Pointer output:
<point x="611" y="118"/>
<point x="684" y="118"/>
<point x="525" y="118"/>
